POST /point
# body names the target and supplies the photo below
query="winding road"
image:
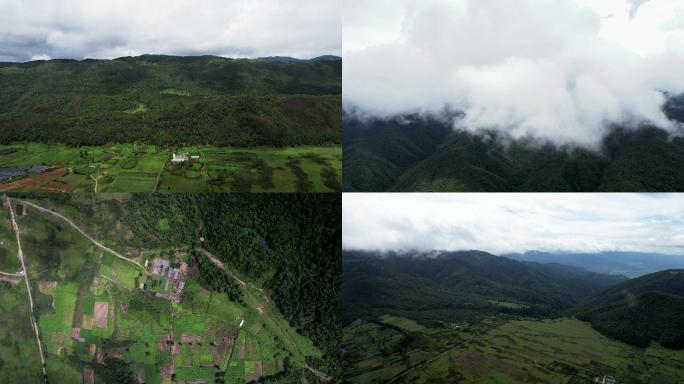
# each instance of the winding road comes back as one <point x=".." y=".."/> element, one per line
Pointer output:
<point x="20" y="255"/>
<point x="97" y="243"/>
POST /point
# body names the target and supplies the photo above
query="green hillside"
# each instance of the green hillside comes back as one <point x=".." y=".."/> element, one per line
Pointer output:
<point x="461" y="285"/>
<point x="168" y="100"/>
<point x="418" y="154"/>
<point x="638" y="311"/>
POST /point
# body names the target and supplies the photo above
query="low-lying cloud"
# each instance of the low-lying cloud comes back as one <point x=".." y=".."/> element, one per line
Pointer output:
<point x="78" y="29"/>
<point x="561" y="70"/>
<point x="503" y="223"/>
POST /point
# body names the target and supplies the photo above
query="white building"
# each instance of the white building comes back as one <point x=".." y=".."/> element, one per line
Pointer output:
<point x="180" y="158"/>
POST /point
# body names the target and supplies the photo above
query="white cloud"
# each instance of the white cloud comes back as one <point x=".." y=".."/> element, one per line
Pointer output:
<point x="108" y="29"/>
<point x="556" y="69"/>
<point x="503" y="223"/>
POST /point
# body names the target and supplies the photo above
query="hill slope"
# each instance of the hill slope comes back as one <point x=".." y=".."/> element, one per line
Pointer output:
<point x="412" y="154"/>
<point x="463" y="284"/>
<point x="638" y="311"/>
<point x="172" y="100"/>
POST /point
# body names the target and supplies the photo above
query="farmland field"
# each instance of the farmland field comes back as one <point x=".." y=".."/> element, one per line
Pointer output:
<point x="147" y="168"/>
<point x="115" y="313"/>
<point x="500" y="350"/>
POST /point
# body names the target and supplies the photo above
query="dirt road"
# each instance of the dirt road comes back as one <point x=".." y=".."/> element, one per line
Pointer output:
<point x="97" y="243"/>
<point x="20" y="255"/>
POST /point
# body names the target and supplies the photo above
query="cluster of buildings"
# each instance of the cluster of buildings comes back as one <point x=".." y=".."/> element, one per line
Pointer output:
<point x="166" y="281"/>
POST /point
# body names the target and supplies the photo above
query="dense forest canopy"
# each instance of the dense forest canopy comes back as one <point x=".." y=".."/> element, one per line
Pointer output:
<point x="641" y="310"/>
<point x="169" y="100"/>
<point x="417" y="153"/>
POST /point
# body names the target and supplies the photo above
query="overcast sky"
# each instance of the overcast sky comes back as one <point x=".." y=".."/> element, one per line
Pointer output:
<point x="42" y="29"/>
<point x="555" y="69"/>
<point x="517" y="222"/>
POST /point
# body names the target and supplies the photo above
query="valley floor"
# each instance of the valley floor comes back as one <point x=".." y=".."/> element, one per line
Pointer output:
<point x="147" y="168"/>
<point x="499" y="350"/>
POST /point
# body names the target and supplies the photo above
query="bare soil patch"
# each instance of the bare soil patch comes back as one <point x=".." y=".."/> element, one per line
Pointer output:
<point x="101" y="315"/>
<point x="9" y="279"/>
<point x="32" y="180"/>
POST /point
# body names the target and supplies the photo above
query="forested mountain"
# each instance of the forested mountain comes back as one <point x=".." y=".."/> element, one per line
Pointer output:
<point x="170" y="100"/>
<point x="412" y="153"/>
<point x="464" y="285"/>
<point x="630" y="264"/>
<point x="638" y="311"/>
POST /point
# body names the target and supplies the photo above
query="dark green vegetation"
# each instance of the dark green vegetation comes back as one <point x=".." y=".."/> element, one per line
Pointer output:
<point x="638" y="311"/>
<point x="149" y="168"/>
<point x="471" y="317"/>
<point x="467" y="285"/>
<point x="167" y="100"/>
<point x="425" y="154"/>
<point x="229" y="323"/>
<point x="288" y="243"/>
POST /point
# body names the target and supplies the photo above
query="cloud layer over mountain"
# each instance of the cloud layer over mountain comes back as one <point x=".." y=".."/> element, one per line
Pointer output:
<point x="510" y="223"/>
<point x="561" y="70"/>
<point x="43" y="29"/>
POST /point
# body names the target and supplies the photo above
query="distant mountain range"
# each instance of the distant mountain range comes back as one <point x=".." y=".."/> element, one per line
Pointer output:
<point x="630" y="264"/>
<point x="288" y="59"/>
<point x="416" y="153"/>
<point x="173" y="100"/>
<point x="472" y="285"/>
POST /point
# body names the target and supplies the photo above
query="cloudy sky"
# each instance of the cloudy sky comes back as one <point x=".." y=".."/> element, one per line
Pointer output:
<point x="41" y="29"/>
<point x="504" y="223"/>
<point x="555" y="69"/>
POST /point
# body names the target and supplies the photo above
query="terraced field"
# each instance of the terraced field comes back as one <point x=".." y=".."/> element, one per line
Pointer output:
<point x="145" y="168"/>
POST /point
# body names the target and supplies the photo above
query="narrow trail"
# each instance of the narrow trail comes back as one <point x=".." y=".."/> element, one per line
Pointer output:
<point x="156" y="183"/>
<point x="437" y="356"/>
<point x="97" y="243"/>
<point x="16" y="274"/>
<point x="96" y="179"/>
<point x="318" y="373"/>
<point x="20" y="255"/>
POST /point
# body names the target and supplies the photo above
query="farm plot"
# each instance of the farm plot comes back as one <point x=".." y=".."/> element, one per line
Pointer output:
<point x="135" y="168"/>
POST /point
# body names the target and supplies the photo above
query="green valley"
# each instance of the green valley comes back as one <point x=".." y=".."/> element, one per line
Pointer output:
<point x="472" y="317"/>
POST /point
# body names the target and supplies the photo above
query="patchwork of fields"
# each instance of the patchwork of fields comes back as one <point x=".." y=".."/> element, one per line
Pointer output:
<point x="96" y="311"/>
<point x="146" y="168"/>
<point x="498" y="350"/>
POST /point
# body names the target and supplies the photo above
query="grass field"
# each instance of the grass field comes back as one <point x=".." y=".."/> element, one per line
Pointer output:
<point x="146" y="168"/>
<point x="562" y="350"/>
